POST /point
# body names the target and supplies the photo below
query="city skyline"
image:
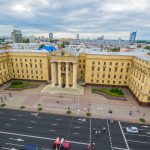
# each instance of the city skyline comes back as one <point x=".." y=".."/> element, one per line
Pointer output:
<point x="89" y="18"/>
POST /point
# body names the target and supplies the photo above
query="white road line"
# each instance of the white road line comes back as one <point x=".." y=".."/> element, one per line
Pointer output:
<point x="5" y="148"/>
<point x="38" y="137"/>
<point x="52" y="130"/>
<point x="8" y="125"/>
<point x="13" y="119"/>
<point x="76" y="133"/>
<point x="1" y="113"/>
<point x="54" y="124"/>
<point x="137" y="134"/>
<point x="90" y="137"/>
<point x="118" y="148"/>
<point x="76" y="127"/>
<point x="138" y="141"/>
<point x="58" y="119"/>
<point x="19" y="115"/>
<point x="138" y="129"/>
<point x="123" y="135"/>
<point x="14" y="144"/>
<point x="109" y="135"/>
<point x="33" y="122"/>
<point x="29" y="127"/>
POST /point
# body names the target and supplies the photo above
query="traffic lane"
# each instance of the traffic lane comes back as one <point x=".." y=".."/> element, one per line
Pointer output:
<point x="117" y="135"/>
<point x="139" y="126"/>
<point x="79" y="130"/>
<point x="45" y="142"/>
<point x="136" y="145"/>
<point x="101" y="141"/>
<point x="137" y="137"/>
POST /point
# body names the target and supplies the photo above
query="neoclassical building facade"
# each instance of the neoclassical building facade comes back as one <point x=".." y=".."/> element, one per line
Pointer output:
<point x="68" y="68"/>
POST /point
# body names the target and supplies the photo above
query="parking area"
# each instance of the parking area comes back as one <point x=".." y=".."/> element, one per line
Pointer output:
<point x="18" y="128"/>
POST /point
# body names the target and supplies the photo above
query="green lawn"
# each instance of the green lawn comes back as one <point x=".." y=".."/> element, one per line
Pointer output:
<point x="22" y="85"/>
<point x="114" y="92"/>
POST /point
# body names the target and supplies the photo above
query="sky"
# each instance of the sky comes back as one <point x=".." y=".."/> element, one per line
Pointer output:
<point x="65" y="18"/>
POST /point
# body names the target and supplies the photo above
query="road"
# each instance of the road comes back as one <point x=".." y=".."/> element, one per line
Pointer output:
<point x="18" y="128"/>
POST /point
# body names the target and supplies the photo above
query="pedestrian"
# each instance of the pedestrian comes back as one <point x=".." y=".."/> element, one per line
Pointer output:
<point x="130" y="113"/>
<point x="94" y="130"/>
<point x="89" y="146"/>
<point x="104" y="129"/>
<point x="93" y="145"/>
<point x="99" y="132"/>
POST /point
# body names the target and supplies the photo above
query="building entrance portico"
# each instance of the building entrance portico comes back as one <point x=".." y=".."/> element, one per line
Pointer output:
<point x="63" y="74"/>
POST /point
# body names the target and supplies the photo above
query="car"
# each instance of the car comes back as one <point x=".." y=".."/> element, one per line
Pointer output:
<point x="31" y="147"/>
<point x="132" y="129"/>
<point x="66" y="145"/>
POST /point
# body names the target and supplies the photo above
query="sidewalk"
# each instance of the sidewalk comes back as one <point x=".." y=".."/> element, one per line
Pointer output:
<point x="97" y="104"/>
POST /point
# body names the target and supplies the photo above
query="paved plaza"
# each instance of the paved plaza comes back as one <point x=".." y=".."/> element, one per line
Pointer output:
<point x="58" y="103"/>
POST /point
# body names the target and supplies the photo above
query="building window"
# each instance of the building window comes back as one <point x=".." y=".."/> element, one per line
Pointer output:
<point x="79" y="66"/>
<point x="93" y="62"/>
<point x="41" y="77"/>
<point x="110" y="63"/>
<point x="122" y="64"/>
<point x="98" y="69"/>
<point x="97" y="81"/>
<point x="40" y="60"/>
<point x="83" y="60"/>
<point x="126" y="77"/>
<point x="109" y="69"/>
<point x="115" y="76"/>
<point x="104" y="63"/>
<point x="113" y="82"/>
<point x="108" y="76"/>
<point x="127" y="70"/>
<point x="92" y="75"/>
<point x="97" y="75"/>
<point x="92" y="80"/>
<point x="92" y="68"/>
<point x="102" y="81"/>
<point x="116" y="63"/>
<point x="98" y="63"/>
<point x="121" y="69"/>
<point x="81" y="72"/>
<point x="104" y="69"/>
<point x="148" y="98"/>
<point x="103" y="76"/>
<point x="119" y="82"/>
<point x="128" y="64"/>
<point x="115" y="69"/>
<point x="108" y="81"/>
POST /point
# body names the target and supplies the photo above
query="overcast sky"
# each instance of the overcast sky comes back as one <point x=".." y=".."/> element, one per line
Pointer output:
<point x="65" y="18"/>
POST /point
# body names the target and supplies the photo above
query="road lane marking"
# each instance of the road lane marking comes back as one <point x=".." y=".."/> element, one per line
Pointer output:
<point x="52" y="130"/>
<point x="19" y="140"/>
<point x="138" y="129"/>
<point x="109" y="135"/>
<point x="8" y="125"/>
<point x="90" y="137"/>
<point x="58" y="119"/>
<point x="76" y="127"/>
<point x="1" y="113"/>
<point x="19" y="115"/>
<point x="14" y="144"/>
<point x="76" y="133"/>
<point x="123" y="135"/>
<point x="138" y="141"/>
<point x="33" y="122"/>
<point x="13" y="119"/>
<point x="29" y="127"/>
<point x="118" y="148"/>
<point x="137" y="134"/>
<point x="38" y="137"/>
<point x="5" y="148"/>
<point x="54" y="124"/>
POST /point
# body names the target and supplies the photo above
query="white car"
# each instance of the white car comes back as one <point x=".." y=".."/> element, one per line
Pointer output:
<point x="132" y="129"/>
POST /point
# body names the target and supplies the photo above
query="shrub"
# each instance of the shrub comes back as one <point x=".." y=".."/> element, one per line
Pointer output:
<point x="142" y="120"/>
<point x="3" y="105"/>
<point x="88" y="114"/>
<point x="22" y="107"/>
<point x="40" y="109"/>
<point x="68" y="112"/>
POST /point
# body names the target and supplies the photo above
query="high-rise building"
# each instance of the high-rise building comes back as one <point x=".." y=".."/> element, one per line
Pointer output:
<point x="16" y="36"/>
<point x="31" y="39"/>
<point x="50" y="35"/>
<point x="132" y="37"/>
<point x="77" y="37"/>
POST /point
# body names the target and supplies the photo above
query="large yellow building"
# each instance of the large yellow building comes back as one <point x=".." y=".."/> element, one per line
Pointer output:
<point x="67" y="68"/>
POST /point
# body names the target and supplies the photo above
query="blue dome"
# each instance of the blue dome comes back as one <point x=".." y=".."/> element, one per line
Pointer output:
<point x="48" y="48"/>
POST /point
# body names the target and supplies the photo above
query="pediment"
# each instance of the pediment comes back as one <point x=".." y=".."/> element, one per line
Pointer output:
<point x="65" y="52"/>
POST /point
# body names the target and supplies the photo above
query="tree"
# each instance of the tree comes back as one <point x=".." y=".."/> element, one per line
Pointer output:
<point x="147" y="47"/>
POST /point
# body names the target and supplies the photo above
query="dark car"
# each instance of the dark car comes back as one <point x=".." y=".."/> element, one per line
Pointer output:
<point x="31" y="147"/>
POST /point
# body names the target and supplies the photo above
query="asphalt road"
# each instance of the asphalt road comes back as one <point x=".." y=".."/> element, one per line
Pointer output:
<point x="18" y="128"/>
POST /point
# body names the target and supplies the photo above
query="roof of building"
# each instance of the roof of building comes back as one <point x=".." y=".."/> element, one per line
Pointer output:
<point x="48" y="48"/>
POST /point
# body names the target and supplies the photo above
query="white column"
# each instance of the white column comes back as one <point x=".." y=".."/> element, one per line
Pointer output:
<point x="53" y="74"/>
<point x="67" y="74"/>
<point x="59" y="74"/>
<point x="74" y="75"/>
